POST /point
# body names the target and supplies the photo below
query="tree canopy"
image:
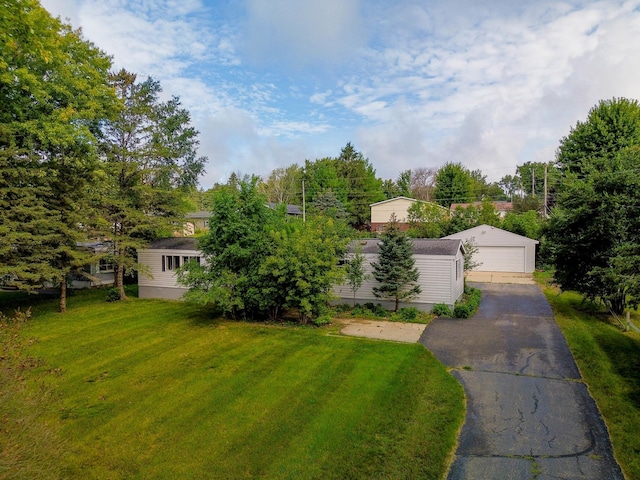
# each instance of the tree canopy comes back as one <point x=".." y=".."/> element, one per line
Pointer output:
<point x="53" y="95"/>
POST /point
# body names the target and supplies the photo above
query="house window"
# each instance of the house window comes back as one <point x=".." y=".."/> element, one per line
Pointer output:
<point x="105" y="265"/>
<point x="457" y="269"/>
<point x="170" y="262"/>
<point x="190" y="259"/>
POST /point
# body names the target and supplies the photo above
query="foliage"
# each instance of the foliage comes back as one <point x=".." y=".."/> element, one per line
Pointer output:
<point x="453" y="185"/>
<point x="149" y="167"/>
<point x="608" y="360"/>
<point x="53" y="93"/>
<point x="259" y="263"/>
<point x="528" y="224"/>
<point x="235" y="394"/>
<point x="407" y="314"/>
<point x="610" y="126"/>
<point x="469" y="304"/>
<point x="284" y="185"/>
<point x="394" y="270"/>
<point x="113" y="295"/>
<point x="427" y="220"/>
<point x="355" y="271"/>
<point x="441" y="310"/>
<point x="470" y="249"/>
<point x="594" y="233"/>
<point x="328" y="205"/>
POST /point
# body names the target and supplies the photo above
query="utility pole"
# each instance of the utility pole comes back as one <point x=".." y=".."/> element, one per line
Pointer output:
<point x="546" y="196"/>
<point x="304" y="207"/>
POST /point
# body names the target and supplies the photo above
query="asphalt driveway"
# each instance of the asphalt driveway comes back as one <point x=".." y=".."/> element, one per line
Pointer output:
<point x="529" y="416"/>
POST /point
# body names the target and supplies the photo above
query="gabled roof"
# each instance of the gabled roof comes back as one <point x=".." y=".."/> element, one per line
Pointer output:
<point x="421" y="246"/>
<point x="174" y="243"/>
<point x="394" y="199"/>
<point x="487" y="231"/>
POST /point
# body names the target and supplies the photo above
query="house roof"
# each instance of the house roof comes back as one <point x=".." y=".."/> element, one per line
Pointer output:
<point x="200" y="214"/>
<point x="393" y="200"/>
<point x="174" y="243"/>
<point x="421" y="246"/>
<point x="485" y="235"/>
<point x="291" y="209"/>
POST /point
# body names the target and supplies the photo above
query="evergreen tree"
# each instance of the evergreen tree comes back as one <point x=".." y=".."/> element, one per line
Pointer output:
<point x="395" y="270"/>
<point x="150" y="166"/>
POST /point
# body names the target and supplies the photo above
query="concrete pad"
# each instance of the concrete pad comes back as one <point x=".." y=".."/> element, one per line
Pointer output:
<point x="394" y="331"/>
<point x="500" y="277"/>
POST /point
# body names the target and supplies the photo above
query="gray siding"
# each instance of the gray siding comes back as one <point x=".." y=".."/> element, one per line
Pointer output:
<point x="438" y="280"/>
<point x="154" y="283"/>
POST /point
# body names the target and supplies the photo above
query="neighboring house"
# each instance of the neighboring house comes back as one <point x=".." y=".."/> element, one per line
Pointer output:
<point x="499" y="250"/>
<point x="199" y="221"/>
<point x="381" y="212"/>
<point x="95" y="275"/>
<point x="441" y="266"/>
<point x="161" y="260"/>
<point x="502" y="208"/>
<point x="196" y="221"/>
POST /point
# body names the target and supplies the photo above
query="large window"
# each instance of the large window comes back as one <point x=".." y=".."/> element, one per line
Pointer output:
<point x="190" y="259"/>
<point x="170" y="262"/>
<point x="106" y="265"/>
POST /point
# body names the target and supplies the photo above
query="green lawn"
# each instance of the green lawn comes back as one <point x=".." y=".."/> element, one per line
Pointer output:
<point x="156" y="389"/>
<point x="609" y="361"/>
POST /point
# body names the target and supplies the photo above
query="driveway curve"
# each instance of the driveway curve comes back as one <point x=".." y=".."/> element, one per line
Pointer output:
<point x="529" y="415"/>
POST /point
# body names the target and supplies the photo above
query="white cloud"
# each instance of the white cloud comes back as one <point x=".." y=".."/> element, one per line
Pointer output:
<point x="302" y="33"/>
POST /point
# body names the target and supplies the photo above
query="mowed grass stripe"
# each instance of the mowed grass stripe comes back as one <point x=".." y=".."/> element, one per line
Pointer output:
<point x="153" y="389"/>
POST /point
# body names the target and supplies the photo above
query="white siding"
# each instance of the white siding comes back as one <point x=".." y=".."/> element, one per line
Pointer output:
<point x="499" y="250"/>
<point x="438" y="281"/>
<point x="154" y="279"/>
<point x="381" y="212"/>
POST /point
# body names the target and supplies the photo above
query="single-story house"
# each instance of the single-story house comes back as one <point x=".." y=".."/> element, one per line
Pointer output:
<point x="441" y="266"/>
<point x="499" y="250"/>
<point x="381" y="212"/>
<point x="163" y="257"/>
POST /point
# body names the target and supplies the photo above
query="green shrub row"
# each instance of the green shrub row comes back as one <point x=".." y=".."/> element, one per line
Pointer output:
<point x="465" y="308"/>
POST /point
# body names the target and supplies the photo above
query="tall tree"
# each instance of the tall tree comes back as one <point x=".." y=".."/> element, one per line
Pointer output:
<point x="453" y="185"/>
<point x="150" y="165"/>
<point x="423" y="181"/>
<point x="363" y="188"/>
<point x="395" y="269"/>
<point x="594" y="233"/>
<point x="610" y="126"/>
<point x="53" y="93"/>
<point x="284" y="185"/>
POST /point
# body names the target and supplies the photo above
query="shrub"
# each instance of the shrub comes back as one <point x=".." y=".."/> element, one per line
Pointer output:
<point x="408" y="314"/>
<point x="322" y="320"/>
<point x="343" y="307"/>
<point x="441" y="310"/>
<point x="469" y="304"/>
<point x="113" y="295"/>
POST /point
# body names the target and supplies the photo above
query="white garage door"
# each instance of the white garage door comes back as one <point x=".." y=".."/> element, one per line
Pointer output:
<point x="500" y="259"/>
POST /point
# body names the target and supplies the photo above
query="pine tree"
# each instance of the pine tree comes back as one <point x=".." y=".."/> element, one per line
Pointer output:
<point x="395" y="270"/>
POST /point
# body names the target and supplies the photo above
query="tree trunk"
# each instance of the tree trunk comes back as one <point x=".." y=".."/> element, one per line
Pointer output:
<point x="397" y="304"/>
<point x="63" y="294"/>
<point x="120" y="275"/>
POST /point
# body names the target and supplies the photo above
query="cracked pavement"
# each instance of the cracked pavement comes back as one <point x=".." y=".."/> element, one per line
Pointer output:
<point x="529" y="415"/>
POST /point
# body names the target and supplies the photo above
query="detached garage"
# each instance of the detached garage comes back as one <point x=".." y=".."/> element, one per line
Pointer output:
<point x="499" y="250"/>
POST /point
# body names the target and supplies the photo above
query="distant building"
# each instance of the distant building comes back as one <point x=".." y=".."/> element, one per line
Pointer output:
<point x="502" y="208"/>
<point x="381" y="212"/>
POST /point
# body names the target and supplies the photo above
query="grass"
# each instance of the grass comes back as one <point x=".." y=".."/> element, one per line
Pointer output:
<point x="157" y="389"/>
<point x="609" y="360"/>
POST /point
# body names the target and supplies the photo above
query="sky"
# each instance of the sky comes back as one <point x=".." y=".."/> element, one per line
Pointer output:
<point x="491" y="84"/>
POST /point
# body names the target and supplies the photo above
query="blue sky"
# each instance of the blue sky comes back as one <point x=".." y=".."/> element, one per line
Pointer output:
<point x="491" y="84"/>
